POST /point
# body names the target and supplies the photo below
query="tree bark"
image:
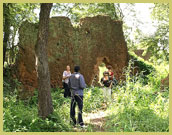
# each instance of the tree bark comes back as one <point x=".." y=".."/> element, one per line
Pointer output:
<point x="45" y="106"/>
<point x="6" y="30"/>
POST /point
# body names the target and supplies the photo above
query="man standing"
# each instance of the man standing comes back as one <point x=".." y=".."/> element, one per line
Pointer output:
<point x="76" y="84"/>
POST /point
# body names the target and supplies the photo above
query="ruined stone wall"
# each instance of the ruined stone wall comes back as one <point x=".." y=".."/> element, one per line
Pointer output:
<point x="165" y="82"/>
<point x="140" y="54"/>
<point x="95" y="40"/>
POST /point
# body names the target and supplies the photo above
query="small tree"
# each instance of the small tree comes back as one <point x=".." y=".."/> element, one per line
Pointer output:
<point x="6" y="28"/>
<point x="45" y="106"/>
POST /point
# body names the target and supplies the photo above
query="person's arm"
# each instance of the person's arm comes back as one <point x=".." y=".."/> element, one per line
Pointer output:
<point x="101" y="82"/>
<point x="110" y="84"/>
<point x="112" y="75"/>
<point x="69" y="83"/>
<point x="65" y="76"/>
<point x="82" y="82"/>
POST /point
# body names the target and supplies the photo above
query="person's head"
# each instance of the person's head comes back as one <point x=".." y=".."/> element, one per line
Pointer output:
<point x="76" y="68"/>
<point x="68" y="68"/>
<point x="105" y="74"/>
<point x="109" y="68"/>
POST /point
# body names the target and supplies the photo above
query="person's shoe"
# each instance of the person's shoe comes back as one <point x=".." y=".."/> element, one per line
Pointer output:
<point x="83" y="126"/>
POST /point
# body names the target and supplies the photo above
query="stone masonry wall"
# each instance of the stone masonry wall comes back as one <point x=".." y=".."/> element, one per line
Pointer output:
<point x="95" y="40"/>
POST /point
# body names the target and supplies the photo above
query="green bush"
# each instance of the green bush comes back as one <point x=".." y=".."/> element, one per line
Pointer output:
<point x="22" y="116"/>
<point x="143" y="66"/>
<point x="138" y="106"/>
<point x="135" y="106"/>
<point x="93" y="99"/>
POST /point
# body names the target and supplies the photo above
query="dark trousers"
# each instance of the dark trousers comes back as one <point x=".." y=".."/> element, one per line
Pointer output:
<point x="79" y="100"/>
<point x="67" y="92"/>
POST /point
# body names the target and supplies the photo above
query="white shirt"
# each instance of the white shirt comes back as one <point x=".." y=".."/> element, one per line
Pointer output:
<point x="66" y="74"/>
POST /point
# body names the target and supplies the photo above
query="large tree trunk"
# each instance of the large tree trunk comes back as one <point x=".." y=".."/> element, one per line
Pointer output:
<point x="45" y="106"/>
<point x="6" y="30"/>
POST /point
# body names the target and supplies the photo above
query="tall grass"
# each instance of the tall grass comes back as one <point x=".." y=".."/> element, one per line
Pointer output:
<point x="22" y="116"/>
<point x="137" y="106"/>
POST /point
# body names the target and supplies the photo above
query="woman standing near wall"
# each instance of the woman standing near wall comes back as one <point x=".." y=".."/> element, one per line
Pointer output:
<point x="65" y="80"/>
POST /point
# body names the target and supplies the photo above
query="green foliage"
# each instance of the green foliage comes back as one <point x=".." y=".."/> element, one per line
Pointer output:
<point x="142" y="120"/>
<point x="76" y="11"/>
<point x="22" y="116"/>
<point x="158" y="43"/>
<point x="134" y="107"/>
<point x="16" y="14"/>
<point x="93" y="99"/>
<point x="139" y="107"/>
<point x="137" y="103"/>
<point x="143" y="66"/>
<point x="94" y="9"/>
<point x="138" y="68"/>
<point x="10" y="84"/>
<point x="160" y="12"/>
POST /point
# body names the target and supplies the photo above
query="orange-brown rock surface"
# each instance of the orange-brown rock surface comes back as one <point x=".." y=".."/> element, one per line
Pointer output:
<point x="140" y="54"/>
<point x="95" y="40"/>
<point x="165" y="82"/>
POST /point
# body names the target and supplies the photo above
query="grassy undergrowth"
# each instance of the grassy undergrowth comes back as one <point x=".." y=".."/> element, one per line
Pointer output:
<point x="135" y="106"/>
<point x="22" y="115"/>
<point x="138" y="108"/>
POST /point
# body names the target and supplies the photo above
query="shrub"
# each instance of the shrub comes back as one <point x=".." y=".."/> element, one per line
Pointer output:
<point x="143" y="66"/>
<point x="138" y="106"/>
<point x="93" y="99"/>
<point x="22" y="116"/>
